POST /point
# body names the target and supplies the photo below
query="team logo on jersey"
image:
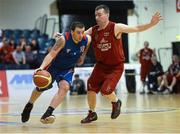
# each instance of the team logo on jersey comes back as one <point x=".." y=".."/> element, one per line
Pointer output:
<point x="68" y="50"/>
<point x="104" y="45"/>
<point x="103" y="41"/>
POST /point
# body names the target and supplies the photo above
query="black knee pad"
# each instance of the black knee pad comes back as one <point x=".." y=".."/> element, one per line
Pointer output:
<point x="43" y="89"/>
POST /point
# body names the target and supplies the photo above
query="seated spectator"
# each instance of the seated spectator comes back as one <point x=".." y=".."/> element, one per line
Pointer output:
<point x="19" y="56"/>
<point x="78" y="86"/>
<point x="23" y="44"/>
<point x="171" y="77"/>
<point x="34" y="46"/>
<point x="30" y="57"/>
<point x="156" y="70"/>
<point x="6" y="52"/>
<point x="1" y="42"/>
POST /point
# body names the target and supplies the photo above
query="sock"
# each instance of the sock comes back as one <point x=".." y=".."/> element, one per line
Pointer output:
<point x="48" y="112"/>
<point x="29" y="104"/>
<point x="92" y="110"/>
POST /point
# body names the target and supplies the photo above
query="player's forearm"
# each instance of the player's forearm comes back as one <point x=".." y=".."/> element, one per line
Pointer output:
<point x="47" y="60"/>
<point x="143" y="27"/>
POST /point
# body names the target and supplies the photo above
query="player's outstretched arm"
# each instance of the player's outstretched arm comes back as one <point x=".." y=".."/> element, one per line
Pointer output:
<point x="89" y="31"/>
<point x="53" y="52"/>
<point x="122" y="28"/>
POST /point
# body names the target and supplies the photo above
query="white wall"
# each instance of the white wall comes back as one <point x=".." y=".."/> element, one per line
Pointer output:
<point x="22" y="14"/>
<point x="160" y="36"/>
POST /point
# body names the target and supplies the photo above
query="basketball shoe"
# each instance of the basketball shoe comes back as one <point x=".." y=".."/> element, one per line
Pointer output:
<point x="92" y="116"/>
<point x="47" y="118"/>
<point x="116" y="109"/>
<point x="26" y="112"/>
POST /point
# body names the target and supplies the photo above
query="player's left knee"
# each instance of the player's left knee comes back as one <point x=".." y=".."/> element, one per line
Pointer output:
<point x="64" y="86"/>
<point x="106" y="92"/>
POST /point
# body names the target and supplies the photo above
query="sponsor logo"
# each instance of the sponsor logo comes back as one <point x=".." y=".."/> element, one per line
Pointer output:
<point x="3" y="84"/>
<point x="21" y="79"/>
<point x="105" y="46"/>
<point x="106" y="34"/>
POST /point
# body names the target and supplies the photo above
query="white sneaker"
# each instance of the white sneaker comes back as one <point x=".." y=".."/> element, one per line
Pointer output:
<point x="48" y="120"/>
<point x="170" y="89"/>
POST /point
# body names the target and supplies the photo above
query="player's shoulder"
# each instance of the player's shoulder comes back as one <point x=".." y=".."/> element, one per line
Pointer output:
<point x="67" y="35"/>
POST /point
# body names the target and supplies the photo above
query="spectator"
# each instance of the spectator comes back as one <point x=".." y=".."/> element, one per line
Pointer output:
<point x="171" y="77"/>
<point x="145" y="55"/>
<point x="34" y="46"/>
<point x="78" y="86"/>
<point x="19" y="56"/>
<point x="6" y="52"/>
<point x="156" y="70"/>
<point x="30" y="57"/>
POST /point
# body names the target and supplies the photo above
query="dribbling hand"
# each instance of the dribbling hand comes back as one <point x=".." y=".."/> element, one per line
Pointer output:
<point x="38" y="69"/>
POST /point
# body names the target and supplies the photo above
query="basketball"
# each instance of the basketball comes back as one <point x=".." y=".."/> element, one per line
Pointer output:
<point x="42" y="79"/>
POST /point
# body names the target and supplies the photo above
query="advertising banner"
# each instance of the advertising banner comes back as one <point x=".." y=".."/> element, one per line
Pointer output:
<point x="3" y="84"/>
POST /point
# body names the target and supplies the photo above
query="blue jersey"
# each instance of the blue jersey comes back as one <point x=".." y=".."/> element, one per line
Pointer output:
<point x="69" y="55"/>
<point x="62" y="67"/>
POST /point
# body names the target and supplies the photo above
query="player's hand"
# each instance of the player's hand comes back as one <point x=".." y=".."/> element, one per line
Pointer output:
<point x="57" y="35"/>
<point x="156" y="18"/>
<point x="80" y="61"/>
<point x="38" y="69"/>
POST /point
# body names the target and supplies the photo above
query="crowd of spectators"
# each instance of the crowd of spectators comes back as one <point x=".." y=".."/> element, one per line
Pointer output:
<point x="23" y="49"/>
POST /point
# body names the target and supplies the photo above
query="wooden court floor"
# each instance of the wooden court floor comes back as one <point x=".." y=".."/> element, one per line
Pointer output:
<point x="140" y="114"/>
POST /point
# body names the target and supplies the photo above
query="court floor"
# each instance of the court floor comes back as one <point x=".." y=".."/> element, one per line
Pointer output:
<point x="140" y="114"/>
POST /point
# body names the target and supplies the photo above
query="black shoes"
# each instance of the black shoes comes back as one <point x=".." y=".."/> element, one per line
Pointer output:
<point x="116" y="109"/>
<point x="92" y="116"/>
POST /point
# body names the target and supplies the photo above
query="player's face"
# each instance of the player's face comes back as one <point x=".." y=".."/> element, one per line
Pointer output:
<point x="146" y="44"/>
<point x="175" y="59"/>
<point x="78" y="34"/>
<point x="101" y="17"/>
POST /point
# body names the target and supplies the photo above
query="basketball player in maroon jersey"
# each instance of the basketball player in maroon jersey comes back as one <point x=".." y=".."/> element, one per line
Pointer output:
<point x="145" y="55"/>
<point x="107" y="45"/>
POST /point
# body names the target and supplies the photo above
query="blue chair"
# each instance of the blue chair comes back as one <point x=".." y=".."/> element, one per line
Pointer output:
<point x="26" y="33"/>
<point x="42" y="45"/>
<point x="8" y="33"/>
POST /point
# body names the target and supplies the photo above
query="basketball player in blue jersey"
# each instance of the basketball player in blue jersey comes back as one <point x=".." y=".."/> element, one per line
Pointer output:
<point x="69" y="50"/>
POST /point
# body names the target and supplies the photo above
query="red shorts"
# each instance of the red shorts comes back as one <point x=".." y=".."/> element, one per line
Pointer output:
<point x="170" y="78"/>
<point x="144" y="71"/>
<point x="105" y="78"/>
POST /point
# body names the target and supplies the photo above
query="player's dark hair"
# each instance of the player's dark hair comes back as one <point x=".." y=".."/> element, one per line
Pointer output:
<point x="106" y="8"/>
<point x="76" y="24"/>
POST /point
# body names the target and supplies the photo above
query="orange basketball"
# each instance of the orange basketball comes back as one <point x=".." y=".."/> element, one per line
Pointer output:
<point x="42" y="79"/>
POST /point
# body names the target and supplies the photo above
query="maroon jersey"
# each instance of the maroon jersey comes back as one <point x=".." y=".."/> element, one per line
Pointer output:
<point x="145" y="56"/>
<point x="108" y="50"/>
